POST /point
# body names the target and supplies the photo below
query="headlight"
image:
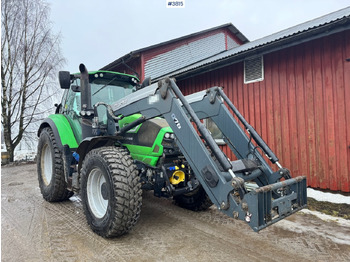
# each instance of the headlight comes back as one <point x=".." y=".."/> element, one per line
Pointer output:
<point x="169" y="136"/>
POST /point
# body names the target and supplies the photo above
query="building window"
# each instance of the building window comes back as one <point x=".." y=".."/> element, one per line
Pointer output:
<point x="253" y="70"/>
<point x="214" y="131"/>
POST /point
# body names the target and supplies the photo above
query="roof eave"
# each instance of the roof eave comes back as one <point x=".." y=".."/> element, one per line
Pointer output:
<point x="137" y="52"/>
<point x="311" y="34"/>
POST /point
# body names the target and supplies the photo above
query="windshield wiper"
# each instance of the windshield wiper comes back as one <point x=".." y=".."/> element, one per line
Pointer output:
<point x="114" y="78"/>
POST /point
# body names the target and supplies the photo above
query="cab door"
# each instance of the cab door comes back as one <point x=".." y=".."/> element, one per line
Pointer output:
<point x="71" y="110"/>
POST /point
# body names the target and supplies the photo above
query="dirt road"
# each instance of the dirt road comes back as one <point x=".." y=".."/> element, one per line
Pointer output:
<point x="35" y="230"/>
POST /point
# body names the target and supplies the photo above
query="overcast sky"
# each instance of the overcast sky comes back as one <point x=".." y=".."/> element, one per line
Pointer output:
<point x="97" y="32"/>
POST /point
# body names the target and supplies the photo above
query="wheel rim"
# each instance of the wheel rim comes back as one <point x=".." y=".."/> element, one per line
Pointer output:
<point x="97" y="193"/>
<point x="46" y="164"/>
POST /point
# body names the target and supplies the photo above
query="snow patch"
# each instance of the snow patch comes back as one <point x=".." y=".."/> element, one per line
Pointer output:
<point x="329" y="197"/>
<point x="323" y="230"/>
<point x="24" y="155"/>
<point x="75" y="198"/>
<point x="325" y="217"/>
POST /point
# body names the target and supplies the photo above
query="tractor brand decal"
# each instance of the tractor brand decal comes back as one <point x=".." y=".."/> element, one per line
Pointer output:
<point x="177" y="123"/>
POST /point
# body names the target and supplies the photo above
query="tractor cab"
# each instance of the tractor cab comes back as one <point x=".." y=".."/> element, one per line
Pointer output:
<point x="104" y="87"/>
<point x="86" y="109"/>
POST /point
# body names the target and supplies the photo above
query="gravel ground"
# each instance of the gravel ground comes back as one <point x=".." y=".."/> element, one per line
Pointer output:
<point x="35" y="230"/>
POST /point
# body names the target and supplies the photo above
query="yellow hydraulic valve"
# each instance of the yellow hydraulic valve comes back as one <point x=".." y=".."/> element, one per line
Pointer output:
<point x="177" y="177"/>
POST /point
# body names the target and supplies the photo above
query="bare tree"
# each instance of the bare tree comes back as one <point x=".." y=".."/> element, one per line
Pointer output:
<point x="30" y="57"/>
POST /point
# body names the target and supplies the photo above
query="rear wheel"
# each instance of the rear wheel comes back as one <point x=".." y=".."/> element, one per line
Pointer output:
<point x="197" y="200"/>
<point x="111" y="191"/>
<point x="52" y="184"/>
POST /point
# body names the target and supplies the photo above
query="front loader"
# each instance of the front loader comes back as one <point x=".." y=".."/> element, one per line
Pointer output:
<point x="112" y="137"/>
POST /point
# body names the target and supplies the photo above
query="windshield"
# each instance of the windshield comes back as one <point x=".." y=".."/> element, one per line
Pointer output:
<point x="109" y="88"/>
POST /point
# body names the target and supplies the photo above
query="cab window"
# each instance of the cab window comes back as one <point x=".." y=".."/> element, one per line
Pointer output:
<point x="108" y="88"/>
<point x="72" y="105"/>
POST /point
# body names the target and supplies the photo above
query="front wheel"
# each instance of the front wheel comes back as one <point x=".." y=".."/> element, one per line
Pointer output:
<point x="111" y="191"/>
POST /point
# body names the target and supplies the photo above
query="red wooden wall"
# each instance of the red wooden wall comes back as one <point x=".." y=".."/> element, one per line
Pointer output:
<point x="301" y="108"/>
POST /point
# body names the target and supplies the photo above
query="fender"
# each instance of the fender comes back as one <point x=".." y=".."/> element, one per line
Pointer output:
<point x="62" y="130"/>
<point x="90" y="143"/>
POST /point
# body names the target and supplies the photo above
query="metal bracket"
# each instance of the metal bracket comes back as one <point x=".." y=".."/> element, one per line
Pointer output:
<point x="163" y="86"/>
<point x="212" y="93"/>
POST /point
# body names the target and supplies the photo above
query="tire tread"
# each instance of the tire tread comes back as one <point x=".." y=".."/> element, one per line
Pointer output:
<point x="127" y="190"/>
<point x="57" y="190"/>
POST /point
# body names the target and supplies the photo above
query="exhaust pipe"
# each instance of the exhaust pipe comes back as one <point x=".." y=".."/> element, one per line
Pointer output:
<point x="87" y="111"/>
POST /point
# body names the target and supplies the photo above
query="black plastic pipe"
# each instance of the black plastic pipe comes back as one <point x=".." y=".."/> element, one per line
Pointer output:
<point x="131" y="125"/>
<point x="85" y="98"/>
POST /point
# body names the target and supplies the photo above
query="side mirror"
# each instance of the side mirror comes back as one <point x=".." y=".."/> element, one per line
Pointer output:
<point x="58" y="108"/>
<point x="64" y="78"/>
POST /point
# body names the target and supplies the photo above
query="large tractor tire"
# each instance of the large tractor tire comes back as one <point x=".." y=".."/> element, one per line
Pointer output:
<point x="197" y="200"/>
<point x="52" y="184"/>
<point x="111" y="191"/>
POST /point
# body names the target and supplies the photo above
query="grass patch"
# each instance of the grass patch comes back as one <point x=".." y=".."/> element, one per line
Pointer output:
<point x="336" y="210"/>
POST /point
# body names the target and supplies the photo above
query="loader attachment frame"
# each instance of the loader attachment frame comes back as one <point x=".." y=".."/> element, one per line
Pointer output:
<point x="245" y="189"/>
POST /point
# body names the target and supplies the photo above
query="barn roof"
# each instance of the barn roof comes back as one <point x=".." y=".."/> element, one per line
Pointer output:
<point x="316" y="28"/>
<point x="137" y="52"/>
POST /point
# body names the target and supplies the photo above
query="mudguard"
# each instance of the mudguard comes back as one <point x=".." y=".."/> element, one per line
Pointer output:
<point x="62" y="130"/>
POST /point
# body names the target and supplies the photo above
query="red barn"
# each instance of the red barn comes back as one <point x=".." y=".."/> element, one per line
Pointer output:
<point x="292" y="86"/>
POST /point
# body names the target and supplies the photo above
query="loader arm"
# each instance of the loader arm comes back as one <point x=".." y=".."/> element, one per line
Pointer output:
<point x="225" y="182"/>
<point x="210" y="104"/>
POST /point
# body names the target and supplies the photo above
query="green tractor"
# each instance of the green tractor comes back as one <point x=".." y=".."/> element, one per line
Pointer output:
<point x="112" y="137"/>
<point x="106" y="159"/>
